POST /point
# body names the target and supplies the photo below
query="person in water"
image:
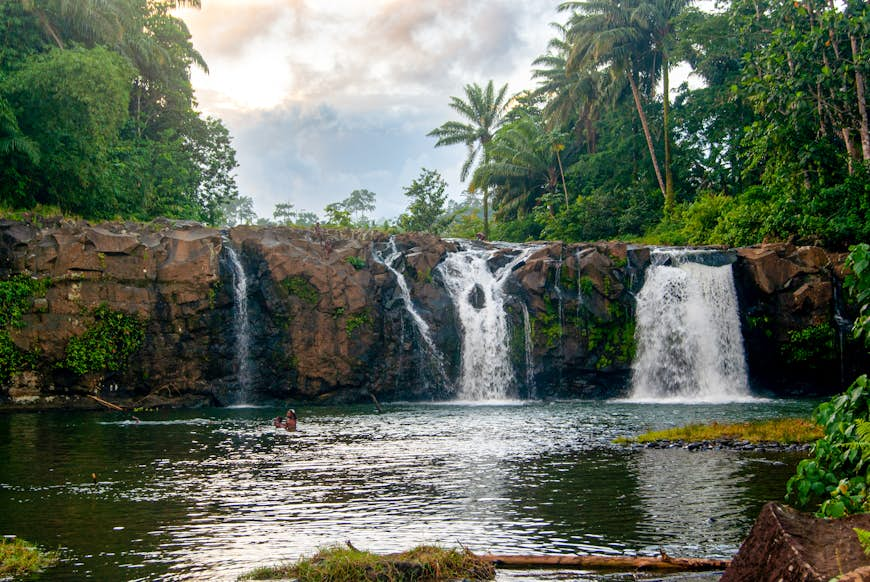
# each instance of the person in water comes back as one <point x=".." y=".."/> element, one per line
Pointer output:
<point x="288" y="422"/>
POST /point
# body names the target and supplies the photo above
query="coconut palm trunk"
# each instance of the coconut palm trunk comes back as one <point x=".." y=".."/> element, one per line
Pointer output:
<point x="666" y="108"/>
<point x="635" y="92"/>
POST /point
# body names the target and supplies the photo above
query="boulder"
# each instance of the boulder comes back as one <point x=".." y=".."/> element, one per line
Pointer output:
<point x="786" y="545"/>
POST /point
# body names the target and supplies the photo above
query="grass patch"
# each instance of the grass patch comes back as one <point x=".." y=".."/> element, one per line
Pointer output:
<point x="347" y="564"/>
<point x="18" y="558"/>
<point x="780" y="430"/>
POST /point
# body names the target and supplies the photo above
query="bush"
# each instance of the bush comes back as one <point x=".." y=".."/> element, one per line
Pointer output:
<point x="834" y="481"/>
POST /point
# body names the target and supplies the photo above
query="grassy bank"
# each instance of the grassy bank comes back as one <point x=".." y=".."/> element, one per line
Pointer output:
<point x="18" y="558"/>
<point x="781" y="430"/>
<point x="340" y="564"/>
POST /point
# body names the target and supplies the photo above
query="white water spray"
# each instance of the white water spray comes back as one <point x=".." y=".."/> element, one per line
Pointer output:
<point x="478" y="296"/>
<point x="389" y="259"/>
<point x="241" y="324"/>
<point x="689" y="345"/>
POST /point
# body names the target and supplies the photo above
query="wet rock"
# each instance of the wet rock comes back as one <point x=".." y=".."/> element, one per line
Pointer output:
<point x="477" y="297"/>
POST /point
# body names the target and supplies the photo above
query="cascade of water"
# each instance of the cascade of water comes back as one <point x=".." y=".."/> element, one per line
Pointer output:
<point x="241" y="323"/>
<point x="557" y="285"/>
<point x="530" y="362"/>
<point x="843" y="325"/>
<point x="389" y="258"/>
<point x="478" y="296"/>
<point x="581" y="281"/>
<point x="689" y="344"/>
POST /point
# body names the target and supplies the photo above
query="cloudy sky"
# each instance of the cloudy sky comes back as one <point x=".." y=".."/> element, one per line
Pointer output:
<point x="323" y="98"/>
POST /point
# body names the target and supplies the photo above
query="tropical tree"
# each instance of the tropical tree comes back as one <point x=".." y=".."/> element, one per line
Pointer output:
<point x="11" y="137"/>
<point x="284" y="213"/>
<point x="337" y="215"/>
<point x="576" y="97"/>
<point x="428" y="195"/>
<point x="523" y="162"/>
<point x="97" y="112"/>
<point x="359" y="203"/>
<point x="658" y="18"/>
<point x="482" y="111"/>
<point x="630" y="39"/>
<point x="72" y="104"/>
<point x="239" y="211"/>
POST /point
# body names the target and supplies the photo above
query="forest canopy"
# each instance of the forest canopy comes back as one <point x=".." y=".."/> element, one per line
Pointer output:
<point x="774" y="144"/>
<point x="98" y="116"/>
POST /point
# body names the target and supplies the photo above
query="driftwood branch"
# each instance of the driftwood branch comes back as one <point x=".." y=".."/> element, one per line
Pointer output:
<point x="662" y="563"/>
<point x="105" y="403"/>
<point x="375" y="400"/>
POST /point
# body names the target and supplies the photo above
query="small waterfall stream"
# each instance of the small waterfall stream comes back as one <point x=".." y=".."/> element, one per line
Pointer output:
<point x="241" y="325"/>
<point x="477" y="291"/>
<point x="389" y="259"/>
<point x="529" y="352"/>
<point x="689" y="344"/>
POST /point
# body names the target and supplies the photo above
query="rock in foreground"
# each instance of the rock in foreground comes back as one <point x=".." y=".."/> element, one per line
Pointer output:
<point x="786" y="545"/>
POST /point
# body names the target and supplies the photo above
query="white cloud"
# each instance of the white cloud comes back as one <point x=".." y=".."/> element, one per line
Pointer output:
<point x="326" y="97"/>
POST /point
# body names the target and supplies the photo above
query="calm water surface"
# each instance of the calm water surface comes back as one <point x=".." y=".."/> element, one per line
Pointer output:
<point x="214" y="493"/>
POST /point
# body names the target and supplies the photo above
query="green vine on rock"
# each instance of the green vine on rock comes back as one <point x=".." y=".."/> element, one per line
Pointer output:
<point x="16" y="296"/>
<point x="299" y="286"/>
<point x="107" y="345"/>
<point x="356" y="321"/>
<point x="356" y="262"/>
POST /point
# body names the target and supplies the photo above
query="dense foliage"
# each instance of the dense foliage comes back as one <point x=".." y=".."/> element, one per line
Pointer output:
<point x="774" y="144"/>
<point x="97" y="114"/>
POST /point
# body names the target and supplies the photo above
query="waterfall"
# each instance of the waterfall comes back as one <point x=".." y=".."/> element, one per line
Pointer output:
<point x="478" y="296"/>
<point x="689" y="345"/>
<point x="241" y="325"/>
<point x="530" y="346"/>
<point x="390" y="259"/>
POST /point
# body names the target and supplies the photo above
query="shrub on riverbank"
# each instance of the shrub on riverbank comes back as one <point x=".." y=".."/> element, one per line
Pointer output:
<point x="18" y="557"/>
<point x="780" y="430"/>
<point x="423" y="563"/>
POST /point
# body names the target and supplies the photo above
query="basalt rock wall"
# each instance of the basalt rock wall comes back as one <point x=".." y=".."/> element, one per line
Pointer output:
<point x="328" y="321"/>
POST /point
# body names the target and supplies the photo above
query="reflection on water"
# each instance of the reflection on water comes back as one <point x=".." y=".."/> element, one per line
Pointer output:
<point x="214" y="493"/>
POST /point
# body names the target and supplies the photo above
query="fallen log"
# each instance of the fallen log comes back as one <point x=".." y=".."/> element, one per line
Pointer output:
<point x="663" y="563"/>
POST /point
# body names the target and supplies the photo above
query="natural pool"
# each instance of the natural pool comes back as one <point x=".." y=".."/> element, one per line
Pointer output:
<point x="213" y="493"/>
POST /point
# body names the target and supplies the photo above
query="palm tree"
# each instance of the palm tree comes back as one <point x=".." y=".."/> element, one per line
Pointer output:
<point x="577" y="96"/>
<point x="87" y="21"/>
<point x="658" y="17"/>
<point x="483" y="111"/>
<point x="11" y="137"/>
<point x="523" y="160"/>
<point x="606" y="34"/>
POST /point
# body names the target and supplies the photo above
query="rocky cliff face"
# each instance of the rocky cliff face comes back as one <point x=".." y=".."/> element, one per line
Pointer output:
<point x="329" y="320"/>
<point x="796" y="322"/>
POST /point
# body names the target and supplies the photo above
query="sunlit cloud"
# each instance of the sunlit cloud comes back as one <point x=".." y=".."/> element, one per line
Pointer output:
<point x="326" y="97"/>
